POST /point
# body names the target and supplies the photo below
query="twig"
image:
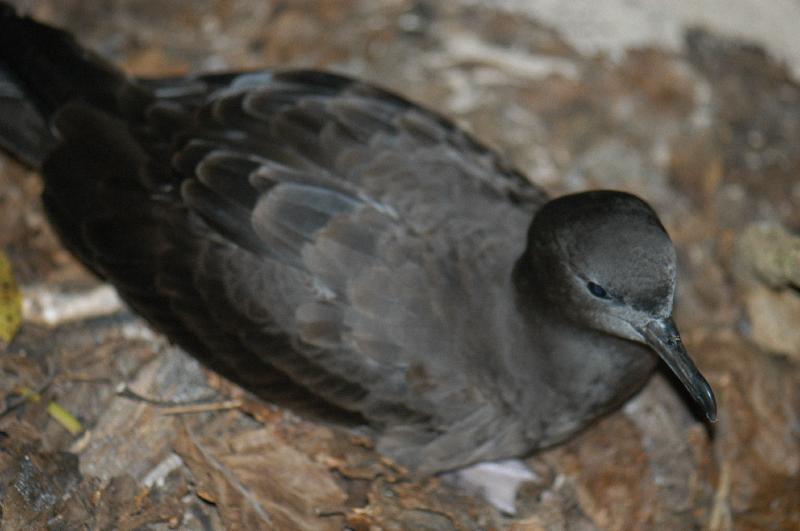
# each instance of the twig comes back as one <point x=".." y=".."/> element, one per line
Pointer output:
<point x="720" y="512"/>
<point x="201" y="408"/>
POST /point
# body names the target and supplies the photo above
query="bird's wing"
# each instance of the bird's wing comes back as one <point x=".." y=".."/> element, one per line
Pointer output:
<point x="296" y="224"/>
<point x="323" y="236"/>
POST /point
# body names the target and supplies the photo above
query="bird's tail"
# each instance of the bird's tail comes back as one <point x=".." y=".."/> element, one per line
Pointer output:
<point x="24" y="133"/>
<point x="41" y="69"/>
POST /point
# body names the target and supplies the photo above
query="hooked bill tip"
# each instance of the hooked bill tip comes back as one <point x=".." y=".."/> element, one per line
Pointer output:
<point x="663" y="337"/>
<point x="705" y="398"/>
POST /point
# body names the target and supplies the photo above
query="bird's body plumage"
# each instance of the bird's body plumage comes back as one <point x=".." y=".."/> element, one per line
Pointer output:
<point x="325" y="243"/>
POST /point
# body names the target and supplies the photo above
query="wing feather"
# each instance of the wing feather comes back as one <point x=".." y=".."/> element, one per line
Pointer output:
<point x="363" y="290"/>
<point x="304" y="233"/>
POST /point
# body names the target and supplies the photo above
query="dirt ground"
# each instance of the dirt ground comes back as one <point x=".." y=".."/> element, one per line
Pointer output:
<point x="709" y="135"/>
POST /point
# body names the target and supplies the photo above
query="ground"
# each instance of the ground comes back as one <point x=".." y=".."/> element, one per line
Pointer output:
<point x="703" y="125"/>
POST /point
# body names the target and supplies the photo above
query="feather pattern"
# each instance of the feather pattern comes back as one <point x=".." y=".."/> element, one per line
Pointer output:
<point x="369" y="293"/>
<point x="274" y="231"/>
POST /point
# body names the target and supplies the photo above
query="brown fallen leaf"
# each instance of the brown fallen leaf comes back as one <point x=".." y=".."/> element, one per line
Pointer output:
<point x="10" y="301"/>
<point x="258" y="481"/>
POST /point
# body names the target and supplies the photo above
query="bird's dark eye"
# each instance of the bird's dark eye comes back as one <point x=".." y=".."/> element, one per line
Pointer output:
<point x="597" y="291"/>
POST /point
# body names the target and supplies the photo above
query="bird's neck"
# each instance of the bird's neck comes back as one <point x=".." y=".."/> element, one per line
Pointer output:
<point x="566" y="372"/>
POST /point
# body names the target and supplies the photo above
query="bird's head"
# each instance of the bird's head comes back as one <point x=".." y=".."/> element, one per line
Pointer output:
<point x="604" y="261"/>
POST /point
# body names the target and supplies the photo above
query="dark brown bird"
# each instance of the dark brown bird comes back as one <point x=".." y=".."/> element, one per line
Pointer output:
<point x="320" y="240"/>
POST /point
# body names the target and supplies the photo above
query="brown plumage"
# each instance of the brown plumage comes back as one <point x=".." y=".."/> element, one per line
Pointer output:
<point x="329" y="244"/>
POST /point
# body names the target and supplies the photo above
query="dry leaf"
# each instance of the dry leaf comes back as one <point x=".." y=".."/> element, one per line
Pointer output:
<point x="10" y="301"/>
<point x="258" y="481"/>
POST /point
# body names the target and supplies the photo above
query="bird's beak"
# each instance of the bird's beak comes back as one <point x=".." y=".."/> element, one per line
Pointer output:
<point x="663" y="337"/>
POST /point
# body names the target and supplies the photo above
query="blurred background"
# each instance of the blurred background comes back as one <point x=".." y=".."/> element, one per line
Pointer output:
<point x="695" y="106"/>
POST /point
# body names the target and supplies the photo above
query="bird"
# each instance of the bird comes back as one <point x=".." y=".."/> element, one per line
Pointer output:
<point x="327" y="243"/>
